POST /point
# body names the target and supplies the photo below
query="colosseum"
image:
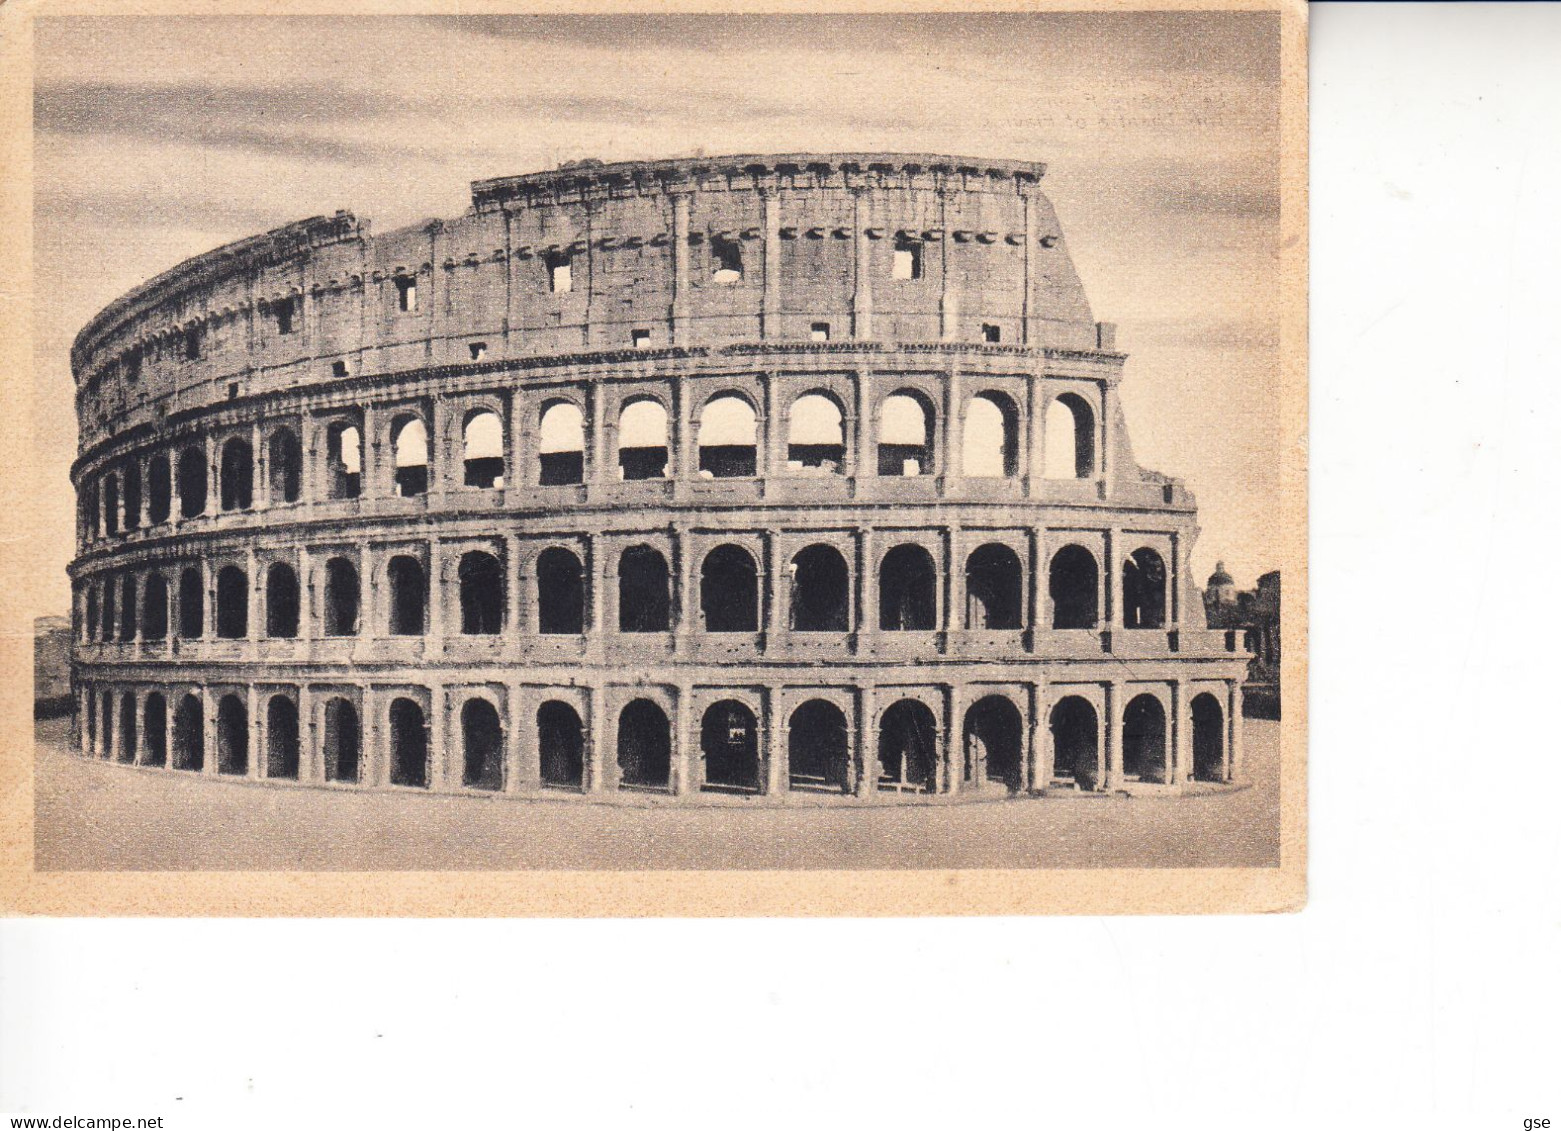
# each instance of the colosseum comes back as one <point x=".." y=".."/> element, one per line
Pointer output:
<point x="791" y="477"/>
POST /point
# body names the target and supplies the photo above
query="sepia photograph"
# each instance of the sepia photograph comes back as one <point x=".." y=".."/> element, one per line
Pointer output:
<point x="792" y="446"/>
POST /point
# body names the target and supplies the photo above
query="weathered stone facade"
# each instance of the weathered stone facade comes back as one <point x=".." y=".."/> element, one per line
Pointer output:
<point x="777" y="475"/>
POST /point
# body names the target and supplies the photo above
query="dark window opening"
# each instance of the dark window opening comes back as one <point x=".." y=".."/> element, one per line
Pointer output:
<point x="232" y="603"/>
<point x="344" y="452"/>
<point x="237" y="473"/>
<point x="644" y="746"/>
<point x="132" y="496"/>
<point x="284" y="316"/>
<point x="338" y="369"/>
<point x="994" y="589"/>
<point x="155" y="726"/>
<point x="560" y="593"/>
<point x="482" y="738"/>
<point x="994" y="744"/>
<point x="1143" y="740"/>
<point x="127" y="728"/>
<point x="820" y="590"/>
<point x="192" y="344"/>
<point x="192" y="605"/>
<point x="286" y="457"/>
<point x="159" y="483"/>
<point x="189" y="735"/>
<point x="343" y="741"/>
<point x="1074" y="586"/>
<point x="729" y="742"/>
<point x="408" y="596"/>
<point x="406" y="294"/>
<point x="907" y="748"/>
<point x="907" y="591"/>
<point x="110" y="620"/>
<point x="818" y="748"/>
<point x="729" y="591"/>
<point x="282" y="738"/>
<point x="726" y="261"/>
<point x="192" y="482"/>
<point x="1075" y="733"/>
<point x="133" y="366"/>
<point x="111" y="504"/>
<point x="819" y="332"/>
<point x="408" y="744"/>
<point x="93" y="624"/>
<point x="127" y="608"/>
<point x="232" y="736"/>
<point x="644" y="601"/>
<point x="561" y="745"/>
<point x="106" y="717"/>
<point x="482" y="594"/>
<point x="477" y="350"/>
<point x="991" y="332"/>
<point x="1143" y="590"/>
<point x="639" y="339"/>
<point x="281" y="602"/>
<point x="1208" y="738"/>
<point x="342" y="598"/>
<point x="154" y="608"/>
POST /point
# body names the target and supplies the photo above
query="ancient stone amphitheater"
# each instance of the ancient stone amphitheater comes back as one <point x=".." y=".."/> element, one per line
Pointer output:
<point x="789" y="476"/>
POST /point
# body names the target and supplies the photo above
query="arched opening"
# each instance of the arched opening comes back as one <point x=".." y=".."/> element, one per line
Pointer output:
<point x="1143" y="739"/>
<point x="728" y="438"/>
<point x="644" y="746"/>
<point x="642" y="440"/>
<point x="281" y="601"/>
<point x="155" y="726"/>
<point x="994" y="744"/>
<point x="644" y="600"/>
<point x="127" y="608"/>
<point x="232" y="736"/>
<point x="192" y="605"/>
<point x="110" y="606"/>
<point x="907" y="748"/>
<point x="1070" y="438"/>
<point x="729" y="741"/>
<point x="560" y="745"/>
<point x="408" y="596"/>
<point x="816" y="437"/>
<point x="106" y="721"/>
<point x="905" y="436"/>
<point x="236" y="475"/>
<point x="726" y="260"/>
<point x="483" y="440"/>
<point x="154" y="608"/>
<point x="132" y="495"/>
<point x="341" y="598"/>
<point x="343" y="741"/>
<point x="729" y="590"/>
<point x="907" y="590"/>
<point x="1075" y="731"/>
<point x="189" y="735"/>
<point x="482" y="741"/>
<point x="285" y="459"/>
<point x="562" y="453"/>
<point x="820" y="590"/>
<point x="1074" y="585"/>
<point x="192" y="482"/>
<point x="408" y="744"/>
<point x="1143" y="590"/>
<point x="111" y="504"/>
<point x="818" y="747"/>
<point x="232" y="603"/>
<point x="282" y="738"/>
<point x="482" y="594"/>
<point x="409" y="438"/>
<point x="991" y="438"/>
<point x="127" y="727"/>
<point x="159" y="490"/>
<point x="994" y="589"/>
<point x="1208" y="738"/>
<point x="94" y="623"/>
<point x="344" y="460"/>
<point x="560" y="593"/>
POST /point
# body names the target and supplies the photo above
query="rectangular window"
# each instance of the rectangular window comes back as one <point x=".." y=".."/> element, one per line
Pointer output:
<point x="284" y="317"/>
<point x="133" y="366"/>
<point x="338" y="369"/>
<point x="478" y="350"/>
<point x="907" y="261"/>
<point x="991" y="333"/>
<point x="192" y="344"/>
<point x="406" y="293"/>
<point x="560" y="279"/>
<point x="641" y="339"/>
<point x="820" y="331"/>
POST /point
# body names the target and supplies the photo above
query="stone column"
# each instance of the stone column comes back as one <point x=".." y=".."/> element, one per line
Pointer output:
<point x="1113" y="724"/>
<point x="311" y="760"/>
<point x="1180" y="755"/>
<point x="952" y="753"/>
<point x="1111" y="583"/>
<point x="523" y="768"/>
<point x="776" y="777"/>
<point x="866" y="588"/>
<point x="260" y="484"/>
<point x="1105" y="465"/>
<point x="862" y="295"/>
<point x="211" y="754"/>
<point x="770" y="589"/>
<point x="371" y="465"/>
<point x="596" y="442"/>
<point x="954" y="587"/>
<point x="437" y="592"/>
<point x="686" y="614"/>
<point x="951" y="465"/>
<point x="865" y="764"/>
<point x="1036" y="594"/>
<point x="444" y="762"/>
<point x="683" y="775"/>
<point x="862" y="459"/>
<point x="1037" y="750"/>
<point x="770" y="301"/>
<point x="771" y="460"/>
<point x="257" y="753"/>
<point x="598" y="744"/>
<point x="680" y="268"/>
<point x="1236" y="768"/>
<point x="306" y="603"/>
<point x="1027" y="304"/>
<point x="213" y="482"/>
<point x="520" y="467"/>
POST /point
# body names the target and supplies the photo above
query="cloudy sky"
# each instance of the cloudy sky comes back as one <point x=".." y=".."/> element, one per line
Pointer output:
<point x="158" y="138"/>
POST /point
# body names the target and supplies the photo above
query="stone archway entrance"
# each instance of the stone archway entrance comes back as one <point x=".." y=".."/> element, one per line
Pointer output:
<point x="994" y="744"/>
<point x="1208" y="738"/>
<point x="729" y="741"/>
<point x="908" y="748"/>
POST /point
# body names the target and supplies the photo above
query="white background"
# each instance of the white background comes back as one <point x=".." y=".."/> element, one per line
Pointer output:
<point x="1418" y="989"/>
